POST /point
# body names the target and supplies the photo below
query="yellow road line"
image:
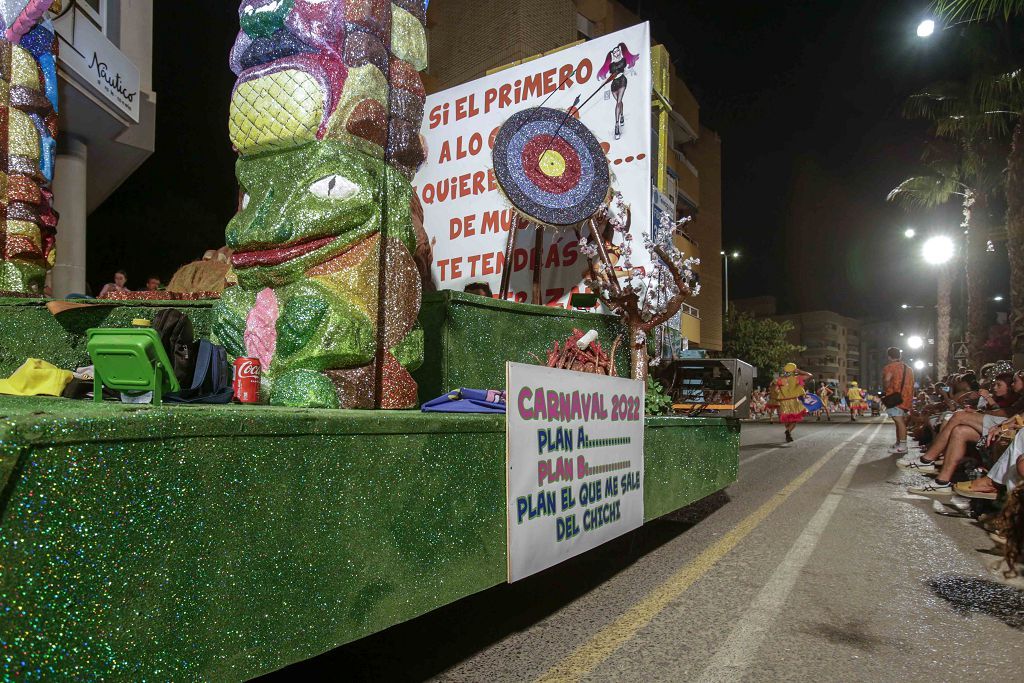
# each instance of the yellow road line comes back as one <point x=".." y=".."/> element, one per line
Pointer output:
<point x="605" y="642"/>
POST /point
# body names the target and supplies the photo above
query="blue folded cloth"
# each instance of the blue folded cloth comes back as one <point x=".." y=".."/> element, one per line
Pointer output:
<point x="468" y="401"/>
<point x="811" y="402"/>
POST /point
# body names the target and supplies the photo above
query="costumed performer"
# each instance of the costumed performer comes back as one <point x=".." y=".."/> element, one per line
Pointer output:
<point x="791" y="390"/>
<point x="855" y="396"/>
<point x="825" y="394"/>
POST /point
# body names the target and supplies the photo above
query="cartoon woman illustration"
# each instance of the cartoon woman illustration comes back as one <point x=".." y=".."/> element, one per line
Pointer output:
<point x="615" y="64"/>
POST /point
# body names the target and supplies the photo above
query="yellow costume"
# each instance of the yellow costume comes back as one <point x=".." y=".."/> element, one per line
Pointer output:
<point x="790" y="390"/>
<point x="855" y="397"/>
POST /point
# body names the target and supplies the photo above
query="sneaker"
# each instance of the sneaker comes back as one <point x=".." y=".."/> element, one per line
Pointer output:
<point x="916" y="465"/>
<point x="618" y="132"/>
<point x="934" y="489"/>
<point x="898" y="448"/>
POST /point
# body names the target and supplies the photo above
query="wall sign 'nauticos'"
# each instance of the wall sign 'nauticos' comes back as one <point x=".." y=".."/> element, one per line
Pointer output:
<point x="112" y="79"/>
<point x="98" y="64"/>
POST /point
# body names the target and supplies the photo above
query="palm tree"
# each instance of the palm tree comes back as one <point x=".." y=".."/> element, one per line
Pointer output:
<point x="1000" y="94"/>
<point x="971" y="175"/>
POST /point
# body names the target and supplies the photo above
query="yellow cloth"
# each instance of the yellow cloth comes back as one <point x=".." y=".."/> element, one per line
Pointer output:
<point x="36" y="378"/>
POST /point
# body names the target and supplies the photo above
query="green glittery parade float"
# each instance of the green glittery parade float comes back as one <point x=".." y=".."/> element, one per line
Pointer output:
<point x="223" y="542"/>
<point x="325" y="116"/>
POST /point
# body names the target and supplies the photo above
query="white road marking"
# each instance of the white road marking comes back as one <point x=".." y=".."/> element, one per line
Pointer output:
<point x="732" y="661"/>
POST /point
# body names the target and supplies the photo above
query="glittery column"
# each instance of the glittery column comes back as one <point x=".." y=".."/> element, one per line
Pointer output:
<point x="28" y="128"/>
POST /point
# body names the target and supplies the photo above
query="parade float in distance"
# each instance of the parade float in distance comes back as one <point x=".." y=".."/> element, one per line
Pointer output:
<point x="411" y="443"/>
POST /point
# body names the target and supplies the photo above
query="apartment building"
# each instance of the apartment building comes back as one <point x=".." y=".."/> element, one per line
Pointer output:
<point x="833" y="341"/>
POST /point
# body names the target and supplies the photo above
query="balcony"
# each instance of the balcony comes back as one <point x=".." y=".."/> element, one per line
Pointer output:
<point x="686" y="245"/>
<point x="831" y="332"/>
<point x="689" y="319"/>
<point x="684" y="174"/>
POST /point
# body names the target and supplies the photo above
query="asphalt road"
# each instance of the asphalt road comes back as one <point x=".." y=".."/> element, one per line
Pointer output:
<point x="815" y="566"/>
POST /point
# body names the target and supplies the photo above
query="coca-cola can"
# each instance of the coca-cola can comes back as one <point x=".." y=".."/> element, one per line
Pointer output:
<point x="246" y="380"/>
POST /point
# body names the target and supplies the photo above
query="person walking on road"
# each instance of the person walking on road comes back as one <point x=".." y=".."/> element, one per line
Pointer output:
<point x="791" y="390"/>
<point x="825" y="394"/>
<point x="898" y="396"/>
<point x="858" y="406"/>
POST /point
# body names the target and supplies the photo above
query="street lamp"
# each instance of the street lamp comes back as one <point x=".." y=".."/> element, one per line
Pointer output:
<point x="925" y="28"/>
<point x="910" y="233"/>
<point x="938" y="250"/>
<point x="905" y="306"/>
<point x="919" y="365"/>
<point x="915" y="342"/>
<point x="997" y="297"/>
<point x="726" y="256"/>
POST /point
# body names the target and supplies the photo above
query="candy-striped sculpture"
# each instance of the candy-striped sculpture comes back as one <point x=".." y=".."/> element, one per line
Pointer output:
<point x="325" y="117"/>
<point x="28" y="131"/>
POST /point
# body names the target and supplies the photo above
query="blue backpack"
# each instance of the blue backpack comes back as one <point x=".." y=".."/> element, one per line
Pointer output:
<point x="211" y="381"/>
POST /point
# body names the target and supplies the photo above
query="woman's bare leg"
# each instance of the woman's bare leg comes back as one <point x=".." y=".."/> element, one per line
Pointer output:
<point x="956" y="449"/>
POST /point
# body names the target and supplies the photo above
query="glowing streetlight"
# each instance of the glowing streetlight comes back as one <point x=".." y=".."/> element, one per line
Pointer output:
<point x="919" y="365"/>
<point x="905" y="306"/>
<point x="901" y="334"/>
<point x="915" y="342"/>
<point x="998" y="297"/>
<point x="925" y="28"/>
<point x="909" y="233"/>
<point x="938" y="250"/>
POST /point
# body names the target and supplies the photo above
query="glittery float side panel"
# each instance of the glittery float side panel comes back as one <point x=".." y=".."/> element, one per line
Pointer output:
<point x="27" y="329"/>
<point x="686" y="463"/>
<point x="220" y="543"/>
<point x="469" y="339"/>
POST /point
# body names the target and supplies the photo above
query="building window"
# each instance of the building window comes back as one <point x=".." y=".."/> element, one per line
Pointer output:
<point x="95" y="10"/>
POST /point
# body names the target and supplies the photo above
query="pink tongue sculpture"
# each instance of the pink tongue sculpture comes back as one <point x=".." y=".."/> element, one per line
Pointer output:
<point x="261" y="328"/>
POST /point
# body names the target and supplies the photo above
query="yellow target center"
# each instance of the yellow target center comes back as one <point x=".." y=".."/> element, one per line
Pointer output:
<point x="552" y="164"/>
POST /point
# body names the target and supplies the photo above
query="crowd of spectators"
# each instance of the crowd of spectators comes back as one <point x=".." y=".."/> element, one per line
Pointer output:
<point x="970" y="443"/>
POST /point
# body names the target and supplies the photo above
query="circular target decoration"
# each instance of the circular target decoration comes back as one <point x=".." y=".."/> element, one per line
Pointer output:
<point x="551" y="167"/>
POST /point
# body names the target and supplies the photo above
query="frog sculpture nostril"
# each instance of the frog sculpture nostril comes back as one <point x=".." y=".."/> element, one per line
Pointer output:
<point x="325" y="116"/>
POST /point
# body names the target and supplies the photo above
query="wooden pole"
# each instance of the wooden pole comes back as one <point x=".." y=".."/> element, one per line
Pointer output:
<point x="609" y="273"/>
<point x="538" y="255"/>
<point x="510" y="248"/>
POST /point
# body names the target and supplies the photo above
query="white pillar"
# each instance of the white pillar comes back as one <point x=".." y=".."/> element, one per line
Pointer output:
<point x="70" y="201"/>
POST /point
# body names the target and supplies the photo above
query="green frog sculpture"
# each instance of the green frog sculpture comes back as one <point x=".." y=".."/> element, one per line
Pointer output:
<point x="325" y="117"/>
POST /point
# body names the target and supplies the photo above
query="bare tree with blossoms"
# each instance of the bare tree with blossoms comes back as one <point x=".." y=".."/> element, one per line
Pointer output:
<point x="643" y="297"/>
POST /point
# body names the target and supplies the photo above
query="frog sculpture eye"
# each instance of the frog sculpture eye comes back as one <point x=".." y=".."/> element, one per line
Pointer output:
<point x="334" y="187"/>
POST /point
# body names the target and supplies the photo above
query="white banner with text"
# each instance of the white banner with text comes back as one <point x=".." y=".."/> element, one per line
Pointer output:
<point x="575" y="458"/>
<point x="465" y="215"/>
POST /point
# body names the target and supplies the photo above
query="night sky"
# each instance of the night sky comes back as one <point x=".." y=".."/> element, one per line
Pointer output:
<point x="805" y="95"/>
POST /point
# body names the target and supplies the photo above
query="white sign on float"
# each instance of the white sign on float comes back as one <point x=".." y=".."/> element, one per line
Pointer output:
<point x="575" y="464"/>
<point x="465" y="214"/>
